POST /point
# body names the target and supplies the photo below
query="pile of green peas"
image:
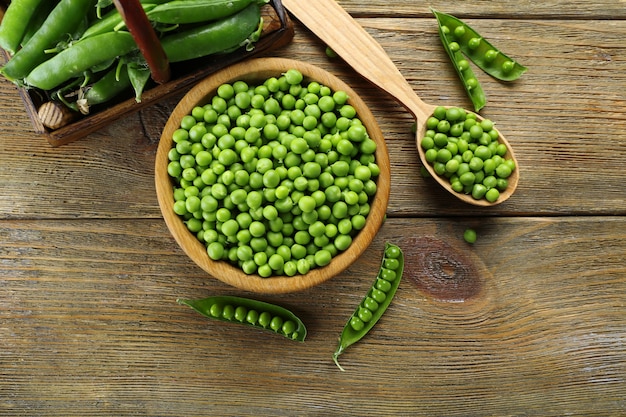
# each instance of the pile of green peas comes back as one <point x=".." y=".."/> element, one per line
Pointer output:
<point x="276" y="178"/>
<point x="467" y="152"/>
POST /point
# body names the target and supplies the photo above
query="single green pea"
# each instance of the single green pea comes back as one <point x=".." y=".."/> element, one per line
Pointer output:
<point x="240" y="313"/>
<point x="469" y="235"/>
<point x="492" y="195"/>
<point x="228" y="312"/>
<point x="356" y="323"/>
<point x="252" y="316"/>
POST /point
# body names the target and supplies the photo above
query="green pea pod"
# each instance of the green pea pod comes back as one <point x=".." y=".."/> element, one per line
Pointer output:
<point x="195" y="11"/>
<point x="15" y="23"/>
<point x="64" y="18"/>
<point x="110" y="22"/>
<point x="250" y="312"/>
<point x="472" y="87"/>
<point x="40" y="14"/>
<point x="491" y="60"/>
<point x="375" y="303"/>
<point x="214" y="37"/>
<point x="114" y="82"/>
<point x="80" y="57"/>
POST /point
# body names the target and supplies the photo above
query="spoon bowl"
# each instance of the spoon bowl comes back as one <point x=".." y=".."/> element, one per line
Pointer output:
<point x="333" y="25"/>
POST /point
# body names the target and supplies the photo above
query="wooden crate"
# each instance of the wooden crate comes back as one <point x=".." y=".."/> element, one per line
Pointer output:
<point x="277" y="32"/>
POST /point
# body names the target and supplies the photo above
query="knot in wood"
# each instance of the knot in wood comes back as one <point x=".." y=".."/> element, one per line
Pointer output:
<point x="440" y="270"/>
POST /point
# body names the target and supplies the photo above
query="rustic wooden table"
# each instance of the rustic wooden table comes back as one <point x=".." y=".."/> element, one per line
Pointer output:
<point x="530" y="320"/>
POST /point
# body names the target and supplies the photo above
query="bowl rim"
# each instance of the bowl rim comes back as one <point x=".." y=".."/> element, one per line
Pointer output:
<point x="259" y="69"/>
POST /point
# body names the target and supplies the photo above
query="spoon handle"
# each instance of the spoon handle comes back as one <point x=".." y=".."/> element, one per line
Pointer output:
<point x="333" y="25"/>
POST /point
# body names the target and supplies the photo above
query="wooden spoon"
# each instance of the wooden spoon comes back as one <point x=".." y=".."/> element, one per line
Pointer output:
<point x="333" y="25"/>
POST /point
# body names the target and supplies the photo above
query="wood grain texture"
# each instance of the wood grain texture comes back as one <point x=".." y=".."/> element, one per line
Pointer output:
<point x="89" y="323"/>
<point x="528" y="321"/>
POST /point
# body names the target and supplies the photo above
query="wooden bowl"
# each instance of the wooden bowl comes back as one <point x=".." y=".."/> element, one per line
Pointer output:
<point x="255" y="71"/>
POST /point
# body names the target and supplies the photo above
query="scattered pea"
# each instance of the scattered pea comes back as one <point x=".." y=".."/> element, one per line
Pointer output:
<point x="469" y="235"/>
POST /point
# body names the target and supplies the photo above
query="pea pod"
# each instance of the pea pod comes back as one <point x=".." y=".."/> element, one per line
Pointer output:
<point x="114" y="82"/>
<point x="15" y="23"/>
<point x="250" y="312"/>
<point x="195" y="11"/>
<point x="375" y="303"/>
<point x="470" y="82"/>
<point x="478" y="49"/>
<point x="80" y="57"/>
<point x="110" y="22"/>
<point x="214" y="37"/>
<point x="63" y="19"/>
<point x="39" y="15"/>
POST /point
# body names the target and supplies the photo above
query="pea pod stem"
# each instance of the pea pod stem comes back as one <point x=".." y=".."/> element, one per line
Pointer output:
<point x="375" y="303"/>
<point x="232" y="309"/>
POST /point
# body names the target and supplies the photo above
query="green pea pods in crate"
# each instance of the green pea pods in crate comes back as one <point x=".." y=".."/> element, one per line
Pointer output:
<point x="376" y="302"/>
<point x="275" y="31"/>
<point x="250" y="312"/>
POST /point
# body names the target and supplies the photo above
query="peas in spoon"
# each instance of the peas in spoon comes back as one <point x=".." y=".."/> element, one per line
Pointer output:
<point x="333" y="25"/>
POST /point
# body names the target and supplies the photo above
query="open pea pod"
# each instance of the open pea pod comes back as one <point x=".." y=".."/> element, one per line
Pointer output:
<point x="375" y="303"/>
<point x="478" y="49"/>
<point x="250" y="312"/>
<point x="472" y="87"/>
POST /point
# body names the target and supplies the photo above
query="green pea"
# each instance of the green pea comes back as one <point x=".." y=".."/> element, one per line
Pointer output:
<point x="228" y="312"/>
<point x="288" y="327"/>
<point x="252" y="317"/>
<point x="469" y="235"/>
<point x="356" y="323"/>
<point x="492" y="195"/>
<point x="216" y="310"/>
<point x="383" y="285"/>
<point x="240" y="313"/>
<point x="370" y="304"/>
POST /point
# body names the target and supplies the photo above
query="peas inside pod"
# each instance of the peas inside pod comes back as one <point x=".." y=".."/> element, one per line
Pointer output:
<point x="250" y="312"/>
<point x="467" y="152"/>
<point x="376" y="302"/>
<point x="276" y="178"/>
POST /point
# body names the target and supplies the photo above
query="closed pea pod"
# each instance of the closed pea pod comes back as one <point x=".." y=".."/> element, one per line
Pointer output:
<point x="254" y="313"/>
<point x="114" y="82"/>
<point x="487" y="57"/>
<point x="112" y="21"/>
<point x="15" y="23"/>
<point x="80" y="57"/>
<point x="214" y="37"/>
<point x="374" y="304"/>
<point x="195" y="11"/>
<point x="63" y="19"/>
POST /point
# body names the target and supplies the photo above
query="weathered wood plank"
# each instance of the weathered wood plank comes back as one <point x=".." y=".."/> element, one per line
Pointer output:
<point x="566" y="117"/>
<point x="89" y="322"/>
